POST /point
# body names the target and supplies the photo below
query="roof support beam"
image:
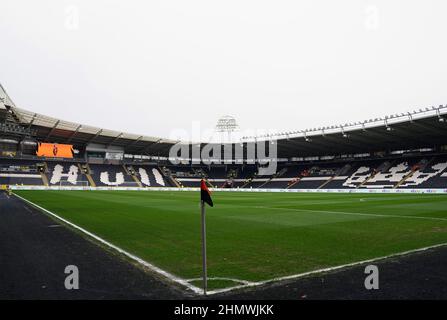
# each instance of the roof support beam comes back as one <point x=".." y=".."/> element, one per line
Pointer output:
<point x="299" y="146"/>
<point x="413" y="138"/>
<point x="368" y="144"/>
<point x="114" y="139"/>
<point x="390" y="138"/>
<point x="52" y="129"/>
<point x="345" y="141"/>
<point x="95" y="136"/>
<point x="145" y="149"/>
<point x="32" y="121"/>
<point x="135" y="142"/>
<point x="433" y="128"/>
<point x="74" y="133"/>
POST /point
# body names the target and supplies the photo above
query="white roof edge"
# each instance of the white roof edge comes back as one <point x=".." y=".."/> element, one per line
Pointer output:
<point x="46" y="121"/>
<point x="5" y="97"/>
<point x="27" y="116"/>
<point x="49" y="122"/>
<point x="440" y="111"/>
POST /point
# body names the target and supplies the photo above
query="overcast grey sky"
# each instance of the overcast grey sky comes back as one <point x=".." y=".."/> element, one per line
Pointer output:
<point x="149" y="67"/>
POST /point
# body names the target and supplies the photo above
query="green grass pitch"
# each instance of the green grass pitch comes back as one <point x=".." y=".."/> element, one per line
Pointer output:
<point x="250" y="235"/>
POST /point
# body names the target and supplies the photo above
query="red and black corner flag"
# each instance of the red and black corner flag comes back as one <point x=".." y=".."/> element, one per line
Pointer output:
<point x="205" y="194"/>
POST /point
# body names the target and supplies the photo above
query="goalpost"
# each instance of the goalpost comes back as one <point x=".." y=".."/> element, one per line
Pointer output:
<point x="65" y="183"/>
<point x="126" y="184"/>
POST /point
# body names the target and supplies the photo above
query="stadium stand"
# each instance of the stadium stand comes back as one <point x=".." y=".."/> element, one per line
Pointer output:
<point x="150" y="177"/>
<point x="66" y="174"/>
<point x="20" y="172"/>
<point x="403" y="172"/>
<point x="410" y="172"/>
<point x="402" y="151"/>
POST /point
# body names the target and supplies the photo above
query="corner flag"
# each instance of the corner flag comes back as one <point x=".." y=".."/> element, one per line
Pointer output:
<point x="205" y="194"/>
<point x="205" y="197"/>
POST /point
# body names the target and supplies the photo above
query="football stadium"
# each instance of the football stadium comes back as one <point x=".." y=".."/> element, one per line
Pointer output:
<point x="359" y="193"/>
<point x="205" y="159"/>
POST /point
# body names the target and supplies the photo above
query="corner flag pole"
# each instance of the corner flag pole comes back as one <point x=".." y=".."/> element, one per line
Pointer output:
<point x="205" y="197"/>
<point x="202" y="206"/>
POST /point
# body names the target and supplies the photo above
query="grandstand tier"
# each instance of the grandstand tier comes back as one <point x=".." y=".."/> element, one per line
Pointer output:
<point x="423" y="172"/>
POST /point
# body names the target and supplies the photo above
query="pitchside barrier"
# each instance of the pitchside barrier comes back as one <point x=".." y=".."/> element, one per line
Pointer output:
<point x="61" y="187"/>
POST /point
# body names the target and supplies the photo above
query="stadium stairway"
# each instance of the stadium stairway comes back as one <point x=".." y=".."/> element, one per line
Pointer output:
<point x="44" y="176"/>
<point x="131" y="172"/>
<point x="384" y="166"/>
<point x="294" y="182"/>
<point x="326" y="182"/>
<point x="341" y="171"/>
<point x="169" y="178"/>
<point x="420" y="166"/>
<point x="247" y="183"/>
<point x="87" y="174"/>
<point x="264" y="183"/>
<point x="176" y="183"/>
<point x="372" y="175"/>
<point x="277" y="175"/>
<point x="405" y="178"/>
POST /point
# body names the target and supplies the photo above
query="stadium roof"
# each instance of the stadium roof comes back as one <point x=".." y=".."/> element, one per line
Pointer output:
<point x="426" y="132"/>
<point x="51" y="129"/>
<point x="55" y="130"/>
<point x="425" y="128"/>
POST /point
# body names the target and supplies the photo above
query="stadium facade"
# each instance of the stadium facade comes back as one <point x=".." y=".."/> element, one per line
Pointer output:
<point x="406" y="151"/>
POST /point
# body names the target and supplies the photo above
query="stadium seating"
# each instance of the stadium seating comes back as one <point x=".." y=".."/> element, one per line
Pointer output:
<point x="150" y="176"/>
<point x="403" y="172"/>
<point x="110" y="176"/>
<point x="65" y="174"/>
<point x="117" y="175"/>
<point x="20" y="172"/>
<point x="428" y="177"/>
<point x="411" y="173"/>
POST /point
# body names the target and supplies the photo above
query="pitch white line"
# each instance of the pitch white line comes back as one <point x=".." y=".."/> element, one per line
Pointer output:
<point x="223" y="278"/>
<point x="122" y="251"/>
<point x="357" y="213"/>
<point x="301" y="275"/>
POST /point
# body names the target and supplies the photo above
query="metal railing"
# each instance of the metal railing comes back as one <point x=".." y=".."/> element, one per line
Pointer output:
<point x="386" y="121"/>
